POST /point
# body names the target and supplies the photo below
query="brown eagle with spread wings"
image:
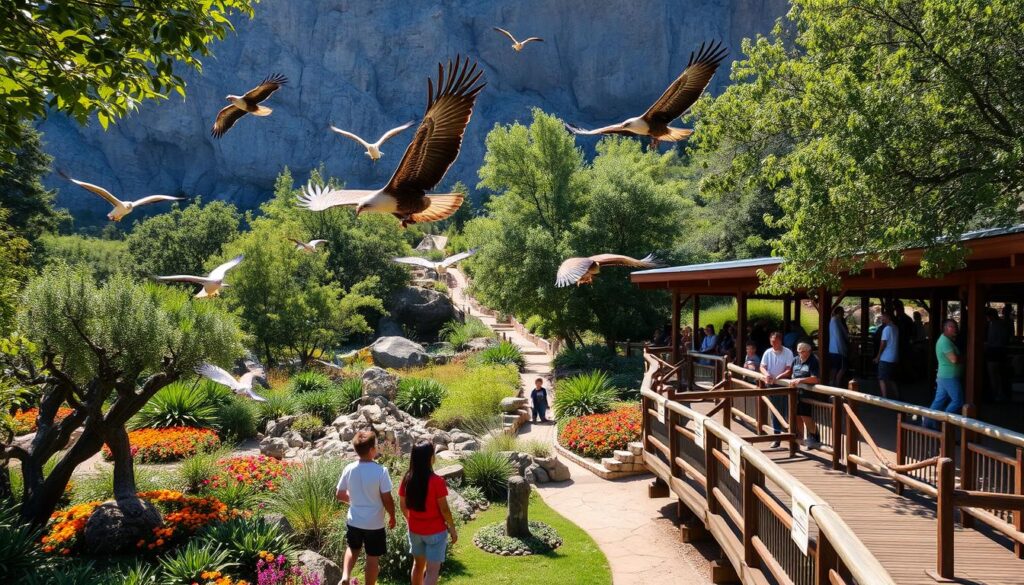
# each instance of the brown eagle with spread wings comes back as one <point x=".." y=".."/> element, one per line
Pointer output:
<point x="247" y="104"/>
<point x="428" y="157"/>
<point x="676" y="100"/>
<point x="583" y="270"/>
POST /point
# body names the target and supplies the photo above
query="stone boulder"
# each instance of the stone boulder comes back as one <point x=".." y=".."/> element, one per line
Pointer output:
<point x="398" y="352"/>
<point x="277" y="428"/>
<point x="319" y="569"/>
<point x="388" y="327"/>
<point x="553" y="466"/>
<point x="115" y="526"/>
<point x="453" y="471"/>
<point x="275" y="447"/>
<point x="481" y="343"/>
<point x="422" y="310"/>
<point x="511" y="405"/>
<point x="279" y="521"/>
<point x="379" y="382"/>
<point x="460" y="506"/>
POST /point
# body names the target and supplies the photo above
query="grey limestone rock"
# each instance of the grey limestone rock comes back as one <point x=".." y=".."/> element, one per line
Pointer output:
<point x="319" y="567"/>
<point x="115" y="526"/>
<point x="398" y="352"/>
<point x="379" y="382"/>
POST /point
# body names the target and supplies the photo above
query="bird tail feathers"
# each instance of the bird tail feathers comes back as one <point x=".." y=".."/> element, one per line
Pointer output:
<point x="676" y="134"/>
<point x="441" y="207"/>
<point x="261" y="111"/>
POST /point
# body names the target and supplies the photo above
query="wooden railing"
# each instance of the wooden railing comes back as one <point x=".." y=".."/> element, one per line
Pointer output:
<point x="694" y="371"/>
<point x="983" y="478"/>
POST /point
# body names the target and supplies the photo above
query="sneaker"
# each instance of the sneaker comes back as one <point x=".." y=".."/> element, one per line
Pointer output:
<point x="812" y="442"/>
<point x="775" y="445"/>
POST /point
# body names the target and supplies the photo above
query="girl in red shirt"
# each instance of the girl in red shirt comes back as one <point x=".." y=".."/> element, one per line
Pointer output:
<point x="423" y="500"/>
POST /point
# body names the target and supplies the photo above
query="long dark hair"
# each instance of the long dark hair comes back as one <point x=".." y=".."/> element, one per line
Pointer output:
<point x="418" y="477"/>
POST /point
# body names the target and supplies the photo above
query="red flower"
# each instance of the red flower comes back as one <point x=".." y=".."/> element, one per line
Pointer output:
<point x="597" y="435"/>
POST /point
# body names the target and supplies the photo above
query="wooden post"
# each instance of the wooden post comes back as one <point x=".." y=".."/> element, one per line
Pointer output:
<point x="944" y="509"/>
<point x="825" y="561"/>
<point x="1019" y="318"/>
<point x="517" y="520"/>
<point x="759" y="410"/>
<point x="824" y="314"/>
<point x="967" y="478"/>
<point x="791" y="415"/>
<point x="947" y="443"/>
<point x="711" y="471"/>
<point x="696" y="322"/>
<point x="1018" y="488"/>
<point x="727" y="411"/>
<point x="673" y="447"/>
<point x="935" y="319"/>
<point x="837" y="430"/>
<point x="865" y="337"/>
<point x="900" y="448"/>
<point x="749" y="528"/>
<point x="741" y="325"/>
<point x="675" y="325"/>
<point x="852" y="439"/>
<point x="975" y="341"/>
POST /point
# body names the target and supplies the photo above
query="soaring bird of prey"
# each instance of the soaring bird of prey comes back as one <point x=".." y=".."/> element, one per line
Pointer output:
<point x="432" y="151"/>
<point x="518" y="45"/>
<point x="121" y="208"/>
<point x="373" y="149"/>
<point x="582" y="270"/>
<point x="309" y="246"/>
<point x="438" y="267"/>
<point x="242" y="385"/>
<point x="676" y="100"/>
<point x="247" y="104"/>
<point x="212" y="283"/>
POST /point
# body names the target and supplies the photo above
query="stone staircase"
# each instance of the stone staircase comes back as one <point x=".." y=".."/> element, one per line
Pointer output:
<point x="626" y="461"/>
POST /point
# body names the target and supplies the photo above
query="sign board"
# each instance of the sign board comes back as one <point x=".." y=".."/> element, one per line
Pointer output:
<point x="698" y="430"/>
<point x="735" y="445"/>
<point x="661" y="409"/>
<point x="801" y="518"/>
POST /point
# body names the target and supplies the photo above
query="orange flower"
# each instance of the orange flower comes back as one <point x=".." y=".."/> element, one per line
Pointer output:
<point x="25" y="420"/>
<point x="597" y="435"/>
<point x="170" y="444"/>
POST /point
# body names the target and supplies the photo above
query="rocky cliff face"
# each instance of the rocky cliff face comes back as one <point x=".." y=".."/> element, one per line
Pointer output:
<point x="363" y="66"/>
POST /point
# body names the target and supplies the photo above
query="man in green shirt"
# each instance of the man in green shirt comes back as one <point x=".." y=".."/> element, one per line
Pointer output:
<point x="949" y="390"/>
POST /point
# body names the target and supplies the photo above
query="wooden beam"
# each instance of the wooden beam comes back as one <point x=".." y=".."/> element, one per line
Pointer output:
<point x="975" y="341"/>
<point x="865" y="337"/>
<point x="741" y="325"/>
<point x="675" y="325"/>
<point x="824" y="314"/>
<point x="696" y="322"/>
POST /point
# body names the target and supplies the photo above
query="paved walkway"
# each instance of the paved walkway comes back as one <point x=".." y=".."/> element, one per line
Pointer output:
<point x="637" y="534"/>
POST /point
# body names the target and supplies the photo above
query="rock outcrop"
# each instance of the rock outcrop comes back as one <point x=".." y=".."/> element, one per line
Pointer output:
<point x="379" y="382"/>
<point x="423" y="310"/>
<point x="398" y="352"/>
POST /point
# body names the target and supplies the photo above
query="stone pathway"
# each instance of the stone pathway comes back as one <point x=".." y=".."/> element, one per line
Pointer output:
<point x="636" y="533"/>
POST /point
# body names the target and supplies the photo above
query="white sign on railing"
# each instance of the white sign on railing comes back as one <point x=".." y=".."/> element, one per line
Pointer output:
<point x="801" y="511"/>
<point x="661" y="409"/>
<point x="698" y="430"/>
<point x="735" y="447"/>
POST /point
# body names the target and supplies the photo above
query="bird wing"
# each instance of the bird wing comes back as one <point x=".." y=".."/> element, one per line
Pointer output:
<point x="315" y="243"/>
<point x="531" y="39"/>
<point x="440" y="207"/>
<point x="155" y="199"/>
<point x="252" y="395"/>
<point x="392" y="133"/>
<point x="613" y="129"/>
<point x="416" y="261"/>
<point x="219" y="272"/>
<point x="685" y="90"/>
<point x="183" y="278"/>
<point x="298" y="243"/>
<point x="321" y="197"/>
<point x="439" y="136"/>
<point x="648" y="261"/>
<point x="449" y="261"/>
<point x="226" y="118"/>
<point x="266" y="87"/>
<point x="107" y="195"/>
<point x="246" y="380"/>
<point x="506" y="33"/>
<point x="348" y="134"/>
<point x="572" y="270"/>
<point x="218" y="375"/>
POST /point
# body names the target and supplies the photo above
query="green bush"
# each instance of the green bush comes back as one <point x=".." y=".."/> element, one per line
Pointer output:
<point x="196" y="471"/>
<point x="489" y="471"/>
<point x="584" y="394"/>
<point x="475" y="396"/>
<point x="324" y="404"/>
<point x="244" y="539"/>
<point x="20" y="554"/>
<point x="349" y="392"/>
<point x="458" y="334"/>
<point x="419" y="396"/>
<point x="188" y="564"/>
<point x="307" y="500"/>
<point x="536" y="448"/>
<point x="278" y="403"/>
<point x="474" y="495"/>
<point x="310" y="381"/>
<point x="585" y="357"/>
<point x="141" y="573"/>
<point x="179" y="404"/>
<point x="307" y="425"/>
<point x="505" y="353"/>
<point x="441" y="287"/>
<point x="501" y="441"/>
<point x="236" y="419"/>
<point x="100" y="485"/>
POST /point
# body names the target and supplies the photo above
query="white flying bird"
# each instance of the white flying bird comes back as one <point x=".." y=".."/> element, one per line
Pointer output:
<point x="373" y="150"/>
<point x="211" y="283"/>
<point x="307" y="246"/>
<point x="583" y="270"/>
<point x="121" y="208"/>
<point x="434" y="148"/>
<point x="241" y="386"/>
<point x="518" y="45"/>
<point x="438" y="267"/>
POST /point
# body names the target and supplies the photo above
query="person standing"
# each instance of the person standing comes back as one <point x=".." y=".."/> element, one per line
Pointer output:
<point x="539" y="398"/>
<point x="888" y="357"/>
<point x="838" y="346"/>
<point x="805" y="371"/>
<point x="949" y="389"/>
<point x="423" y="498"/>
<point x="366" y="487"/>
<point x="776" y="364"/>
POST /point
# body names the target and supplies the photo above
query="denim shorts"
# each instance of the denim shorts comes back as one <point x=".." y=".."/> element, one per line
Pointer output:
<point x="432" y="546"/>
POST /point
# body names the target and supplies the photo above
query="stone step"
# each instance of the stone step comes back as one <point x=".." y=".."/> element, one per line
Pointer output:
<point x="612" y="464"/>
<point x="636" y="448"/>
<point x="623" y="456"/>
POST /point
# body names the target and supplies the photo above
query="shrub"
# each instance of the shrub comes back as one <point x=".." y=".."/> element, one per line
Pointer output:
<point x="178" y="405"/>
<point x="310" y="381"/>
<point x="501" y="441"/>
<point x="489" y="471"/>
<point x="236" y="419"/>
<point x="419" y="396"/>
<point x="257" y="471"/>
<point x="100" y="485"/>
<point x="505" y="353"/>
<point x="474" y="495"/>
<point x="597" y="435"/>
<point x="307" y="500"/>
<point x="195" y="564"/>
<point x="458" y="334"/>
<point x="237" y="496"/>
<point x="584" y="357"/>
<point x="169" y="444"/>
<point x="324" y="404"/>
<point x="534" y="323"/>
<point x="349" y="392"/>
<point x="308" y="426"/>
<point x="441" y="287"/>
<point x="583" y="394"/>
<point x="278" y="403"/>
<point x="197" y="471"/>
<point x="20" y="554"/>
<point x="25" y="420"/>
<point x="537" y="448"/>
<point x="244" y="539"/>
<point x="476" y="395"/>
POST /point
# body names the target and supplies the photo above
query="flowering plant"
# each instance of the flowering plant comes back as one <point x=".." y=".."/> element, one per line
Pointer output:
<point x="257" y="471"/>
<point x="218" y="578"/>
<point x="169" y="444"/>
<point x="271" y="570"/>
<point x="25" y="420"/>
<point x="597" y="435"/>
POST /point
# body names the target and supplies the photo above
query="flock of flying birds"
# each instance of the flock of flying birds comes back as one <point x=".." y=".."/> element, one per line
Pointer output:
<point x="433" y="149"/>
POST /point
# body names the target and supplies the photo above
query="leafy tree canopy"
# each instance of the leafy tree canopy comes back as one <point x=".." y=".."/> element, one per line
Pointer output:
<point x="30" y="205"/>
<point x="180" y="241"/>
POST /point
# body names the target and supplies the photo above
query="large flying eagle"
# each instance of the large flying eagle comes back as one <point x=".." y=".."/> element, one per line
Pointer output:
<point x="676" y="100"/>
<point x="583" y="270"/>
<point x="518" y="45"/>
<point x="121" y="208"/>
<point x="438" y="267"/>
<point x="212" y="283"/>
<point x="247" y="104"/>
<point x="373" y="149"/>
<point x="432" y="151"/>
<point x="242" y="385"/>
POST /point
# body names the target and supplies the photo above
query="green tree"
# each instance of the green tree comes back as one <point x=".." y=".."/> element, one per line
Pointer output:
<point x="104" y="351"/>
<point x="182" y="240"/>
<point x="104" y="258"/>
<point x="13" y="272"/>
<point x="21" y="189"/>
<point x="878" y="125"/>
<point x="100" y="57"/>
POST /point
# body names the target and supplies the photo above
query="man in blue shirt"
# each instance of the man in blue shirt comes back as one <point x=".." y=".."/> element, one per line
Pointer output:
<point x="888" y="357"/>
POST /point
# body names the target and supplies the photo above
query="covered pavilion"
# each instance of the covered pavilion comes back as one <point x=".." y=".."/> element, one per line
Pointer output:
<point x="993" y="275"/>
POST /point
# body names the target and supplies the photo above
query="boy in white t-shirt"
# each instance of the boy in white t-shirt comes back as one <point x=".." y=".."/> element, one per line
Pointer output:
<point x="366" y="487"/>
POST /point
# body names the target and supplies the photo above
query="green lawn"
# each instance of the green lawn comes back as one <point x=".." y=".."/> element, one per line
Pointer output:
<point x="578" y="560"/>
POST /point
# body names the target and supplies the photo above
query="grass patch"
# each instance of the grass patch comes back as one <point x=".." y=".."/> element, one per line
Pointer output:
<point x="474" y="393"/>
<point x="756" y="309"/>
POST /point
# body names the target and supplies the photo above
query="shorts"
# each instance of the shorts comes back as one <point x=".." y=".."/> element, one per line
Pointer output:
<point x="431" y="546"/>
<point x="887" y="371"/>
<point x="836" y="361"/>
<point x="375" y="541"/>
<point x="805" y="408"/>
